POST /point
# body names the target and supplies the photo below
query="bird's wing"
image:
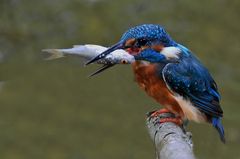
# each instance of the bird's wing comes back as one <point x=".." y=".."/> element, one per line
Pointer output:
<point x="190" y="79"/>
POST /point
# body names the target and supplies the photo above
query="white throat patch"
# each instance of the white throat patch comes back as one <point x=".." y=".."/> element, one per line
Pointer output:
<point x="171" y="52"/>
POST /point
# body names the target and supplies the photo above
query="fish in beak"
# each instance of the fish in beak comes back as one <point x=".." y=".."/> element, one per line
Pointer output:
<point x="90" y="51"/>
<point x="119" y="45"/>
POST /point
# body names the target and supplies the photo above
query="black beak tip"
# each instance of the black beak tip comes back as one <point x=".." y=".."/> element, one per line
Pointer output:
<point x="101" y="69"/>
<point x="90" y="61"/>
<point x="87" y="63"/>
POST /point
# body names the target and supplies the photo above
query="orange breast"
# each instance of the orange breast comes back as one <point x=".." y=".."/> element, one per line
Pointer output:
<point x="146" y="77"/>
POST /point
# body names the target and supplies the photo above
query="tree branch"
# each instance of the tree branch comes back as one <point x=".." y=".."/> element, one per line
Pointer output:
<point x="170" y="140"/>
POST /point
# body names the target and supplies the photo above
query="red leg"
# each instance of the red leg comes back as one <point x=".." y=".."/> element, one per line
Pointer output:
<point x="176" y="120"/>
<point x="160" y="111"/>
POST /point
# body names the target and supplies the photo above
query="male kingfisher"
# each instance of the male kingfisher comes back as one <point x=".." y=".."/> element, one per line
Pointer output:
<point x="172" y="75"/>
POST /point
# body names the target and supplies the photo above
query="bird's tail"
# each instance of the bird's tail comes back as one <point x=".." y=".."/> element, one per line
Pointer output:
<point x="54" y="54"/>
<point x="216" y="122"/>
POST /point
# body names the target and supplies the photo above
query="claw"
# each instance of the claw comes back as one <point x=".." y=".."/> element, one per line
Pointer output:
<point x="166" y="116"/>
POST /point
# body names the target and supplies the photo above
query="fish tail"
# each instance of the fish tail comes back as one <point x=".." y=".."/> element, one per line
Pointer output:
<point x="54" y="53"/>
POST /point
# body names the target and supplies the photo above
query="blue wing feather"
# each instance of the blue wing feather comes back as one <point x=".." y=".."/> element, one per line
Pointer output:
<point x="190" y="79"/>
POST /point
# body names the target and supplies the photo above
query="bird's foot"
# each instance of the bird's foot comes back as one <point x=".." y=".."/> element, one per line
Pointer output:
<point x="166" y="116"/>
<point x="156" y="113"/>
<point x="177" y="120"/>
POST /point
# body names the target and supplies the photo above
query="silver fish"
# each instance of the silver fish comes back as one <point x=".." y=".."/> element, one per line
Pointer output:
<point x="90" y="51"/>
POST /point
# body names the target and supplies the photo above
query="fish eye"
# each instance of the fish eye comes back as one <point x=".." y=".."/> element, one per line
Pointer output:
<point x="124" y="62"/>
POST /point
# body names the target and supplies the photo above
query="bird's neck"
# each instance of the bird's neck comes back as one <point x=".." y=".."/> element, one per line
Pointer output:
<point x="147" y="69"/>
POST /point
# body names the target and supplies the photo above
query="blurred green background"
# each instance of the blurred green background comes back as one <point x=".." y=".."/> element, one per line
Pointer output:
<point x="51" y="110"/>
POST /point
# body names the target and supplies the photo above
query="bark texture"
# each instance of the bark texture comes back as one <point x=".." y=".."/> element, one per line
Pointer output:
<point x="170" y="140"/>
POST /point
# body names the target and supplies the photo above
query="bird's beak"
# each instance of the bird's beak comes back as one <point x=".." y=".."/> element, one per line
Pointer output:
<point x="119" y="45"/>
<point x="101" y="69"/>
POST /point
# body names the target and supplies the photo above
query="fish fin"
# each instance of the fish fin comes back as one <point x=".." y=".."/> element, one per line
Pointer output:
<point x="75" y="46"/>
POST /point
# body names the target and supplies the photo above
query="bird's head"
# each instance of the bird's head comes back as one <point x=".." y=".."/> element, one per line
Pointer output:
<point x="145" y="36"/>
<point x="150" y="37"/>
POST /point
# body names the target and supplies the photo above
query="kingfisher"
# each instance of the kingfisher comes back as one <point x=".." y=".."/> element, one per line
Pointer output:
<point x="171" y="74"/>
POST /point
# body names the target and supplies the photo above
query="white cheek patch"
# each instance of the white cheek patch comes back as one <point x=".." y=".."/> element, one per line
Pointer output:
<point x="171" y="52"/>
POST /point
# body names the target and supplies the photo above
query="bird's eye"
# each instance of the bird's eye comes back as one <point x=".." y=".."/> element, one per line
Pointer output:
<point x="141" y="42"/>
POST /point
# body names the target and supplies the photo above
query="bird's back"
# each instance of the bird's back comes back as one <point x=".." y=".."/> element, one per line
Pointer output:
<point x="191" y="80"/>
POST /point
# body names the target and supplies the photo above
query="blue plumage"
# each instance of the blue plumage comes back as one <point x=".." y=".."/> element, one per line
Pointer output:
<point x="185" y="76"/>
<point x="191" y="80"/>
<point x="178" y="68"/>
<point x="152" y="33"/>
<point x="151" y="56"/>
